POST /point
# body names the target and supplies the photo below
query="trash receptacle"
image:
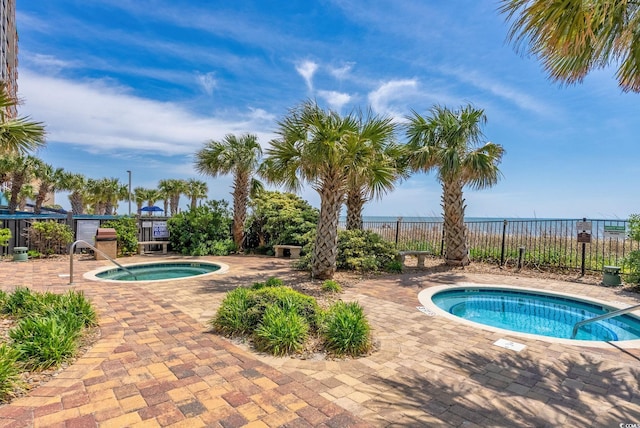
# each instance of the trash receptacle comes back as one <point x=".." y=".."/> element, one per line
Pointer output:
<point x="20" y="254"/>
<point x="611" y="276"/>
<point x="106" y="243"/>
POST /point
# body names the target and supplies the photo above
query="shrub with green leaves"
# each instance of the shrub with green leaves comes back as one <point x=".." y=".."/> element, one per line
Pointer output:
<point x="331" y="286"/>
<point x="279" y="218"/>
<point x="49" y="237"/>
<point x="233" y="317"/>
<point x="363" y="251"/>
<point x="285" y="298"/>
<point x="126" y="232"/>
<point x="44" y="342"/>
<point x="631" y="263"/>
<point x="9" y="371"/>
<point x="202" y="231"/>
<point x="270" y="282"/>
<point x="346" y="330"/>
<point x="281" y="331"/>
<point x="5" y="236"/>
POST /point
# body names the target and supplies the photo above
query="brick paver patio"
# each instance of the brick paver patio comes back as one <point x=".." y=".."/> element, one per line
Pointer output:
<point x="156" y="364"/>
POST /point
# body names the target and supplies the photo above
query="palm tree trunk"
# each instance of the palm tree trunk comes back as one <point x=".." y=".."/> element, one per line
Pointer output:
<point x="240" y="201"/>
<point x="355" y="204"/>
<point x="457" y="252"/>
<point x="42" y="195"/>
<point x="16" y="184"/>
<point x="194" y="203"/>
<point x="77" y="203"/>
<point x="326" y="243"/>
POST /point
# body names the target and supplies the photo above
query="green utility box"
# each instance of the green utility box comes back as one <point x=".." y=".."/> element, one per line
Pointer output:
<point x="20" y="254"/>
<point x="611" y="276"/>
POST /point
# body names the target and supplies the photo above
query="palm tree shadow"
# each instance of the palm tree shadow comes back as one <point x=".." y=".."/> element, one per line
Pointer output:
<point x="578" y="391"/>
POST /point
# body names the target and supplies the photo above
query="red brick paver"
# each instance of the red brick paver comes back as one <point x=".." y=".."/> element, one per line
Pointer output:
<point x="156" y="365"/>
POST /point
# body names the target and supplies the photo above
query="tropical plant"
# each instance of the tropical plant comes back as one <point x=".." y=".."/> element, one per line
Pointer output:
<point x="127" y="234"/>
<point x="631" y="262"/>
<point x="202" y="231"/>
<point x="5" y="236"/>
<point x="76" y="184"/>
<point x="17" y="135"/>
<point x="194" y="190"/>
<point x="9" y="371"/>
<point x="171" y="189"/>
<point x="27" y="192"/>
<point x="279" y="218"/>
<point x="383" y="165"/>
<point x="154" y="195"/>
<point x="573" y="37"/>
<point x="364" y="251"/>
<point x="49" y="180"/>
<point x="320" y="148"/>
<point x="346" y="330"/>
<point x="281" y="332"/>
<point x="21" y="168"/>
<point x="49" y="237"/>
<point x="239" y="156"/>
<point x="140" y="196"/>
<point x="448" y="141"/>
<point x="331" y="286"/>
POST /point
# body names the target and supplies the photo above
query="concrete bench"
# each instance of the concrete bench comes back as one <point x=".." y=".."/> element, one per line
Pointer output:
<point x="421" y="255"/>
<point x="143" y="244"/>
<point x="294" y="250"/>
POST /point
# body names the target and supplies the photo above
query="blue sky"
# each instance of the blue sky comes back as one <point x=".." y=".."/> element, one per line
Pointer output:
<point x="141" y="85"/>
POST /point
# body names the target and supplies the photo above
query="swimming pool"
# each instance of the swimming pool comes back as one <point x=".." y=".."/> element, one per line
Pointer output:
<point x="164" y="271"/>
<point x="533" y="312"/>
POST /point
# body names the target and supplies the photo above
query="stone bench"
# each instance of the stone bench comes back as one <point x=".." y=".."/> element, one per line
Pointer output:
<point x="143" y="244"/>
<point x="421" y="255"/>
<point x="294" y="250"/>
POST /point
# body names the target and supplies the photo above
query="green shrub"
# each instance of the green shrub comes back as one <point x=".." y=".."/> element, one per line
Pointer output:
<point x="22" y="302"/>
<point x="77" y="305"/>
<point x="202" y="231"/>
<point x="5" y="236"/>
<point x="44" y="342"/>
<point x="271" y="282"/>
<point x="232" y="317"/>
<point x="631" y="263"/>
<point x="279" y="218"/>
<point x="49" y="237"/>
<point x="394" y="266"/>
<point x="281" y="332"/>
<point x="363" y="251"/>
<point x="9" y="371"/>
<point x="284" y="298"/>
<point x="346" y="330"/>
<point x="126" y="232"/>
<point x="331" y="286"/>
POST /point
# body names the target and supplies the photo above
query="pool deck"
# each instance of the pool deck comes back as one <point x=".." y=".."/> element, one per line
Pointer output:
<point x="156" y="364"/>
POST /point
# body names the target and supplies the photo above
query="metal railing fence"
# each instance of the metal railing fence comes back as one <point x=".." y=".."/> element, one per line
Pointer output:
<point x="544" y="243"/>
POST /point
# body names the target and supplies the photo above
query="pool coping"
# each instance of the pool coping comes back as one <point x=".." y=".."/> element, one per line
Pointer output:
<point x="92" y="275"/>
<point x="425" y="296"/>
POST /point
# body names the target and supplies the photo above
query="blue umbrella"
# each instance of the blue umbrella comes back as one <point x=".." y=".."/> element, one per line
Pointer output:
<point x="152" y="209"/>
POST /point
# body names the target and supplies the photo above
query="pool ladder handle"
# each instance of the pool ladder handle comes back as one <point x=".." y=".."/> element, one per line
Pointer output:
<point x="72" y="250"/>
<point x="602" y="317"/>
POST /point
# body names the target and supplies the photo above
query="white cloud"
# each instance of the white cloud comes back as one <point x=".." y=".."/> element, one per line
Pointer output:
<point x="336" y="100"/>
<point x="207" y="81"/>
<point x="307" y="69"/>
<point x="106" y="118"/>
<point x="341" y="73"/>
<point x="382" y="100"/>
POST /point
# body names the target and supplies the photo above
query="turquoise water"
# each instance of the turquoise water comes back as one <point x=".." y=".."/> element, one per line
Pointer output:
<point x="536" y="314"/>
<point x="158" y="271"/>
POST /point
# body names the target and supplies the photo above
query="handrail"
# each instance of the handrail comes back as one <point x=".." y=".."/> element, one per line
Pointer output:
<point x="602" y="317"/>
<point x="72" y="250"/>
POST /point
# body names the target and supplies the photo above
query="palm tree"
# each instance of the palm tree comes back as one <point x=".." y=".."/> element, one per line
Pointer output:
<point x="448" y="142"/>
<point x="20" y="135"/>
<point x="320" y="148"/>
<point x="172" y="188"/>
<point x="27" y="192"/>
<point x="152" y="196"/>
<point x="76" y="184"/>
<point x="239" y="156"/>
<point x="384" y="165"/>
<point x="573" y="37"/>
<point x="49" y="179"/>
<point x="195" y="189"/>
<point x="140" y="196"/>
<point x="22" y="171"/>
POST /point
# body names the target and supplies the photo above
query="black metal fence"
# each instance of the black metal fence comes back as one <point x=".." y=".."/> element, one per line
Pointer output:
<point x="529" y="243"/>
<point x="83" y="227"/>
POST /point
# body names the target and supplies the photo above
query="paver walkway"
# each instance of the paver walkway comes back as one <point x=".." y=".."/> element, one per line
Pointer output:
<point x="156" y="364"/>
